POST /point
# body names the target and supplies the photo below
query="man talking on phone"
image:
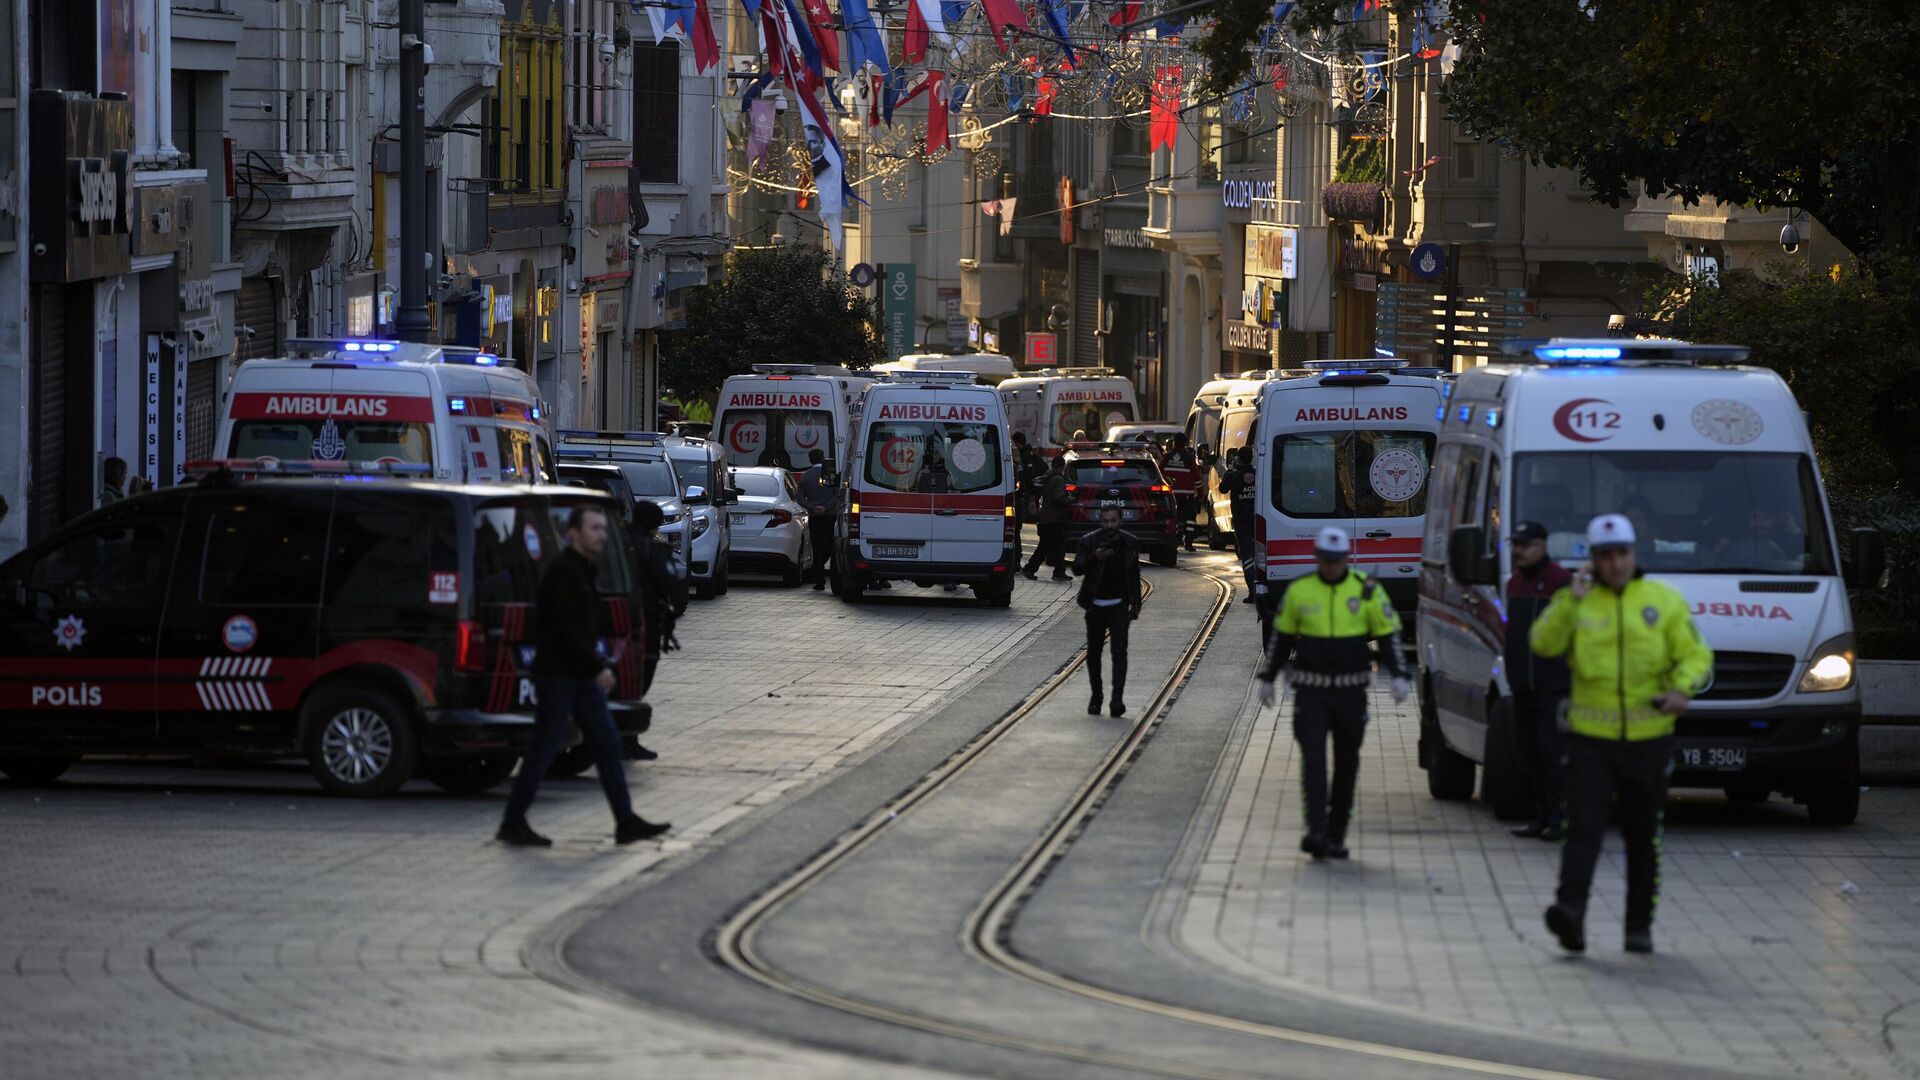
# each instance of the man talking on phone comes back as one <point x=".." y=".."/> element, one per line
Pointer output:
<point x="1108" y="563"/>
<point x="1636" y="660"/>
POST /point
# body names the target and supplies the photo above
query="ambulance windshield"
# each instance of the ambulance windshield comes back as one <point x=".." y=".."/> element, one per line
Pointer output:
<point x="753" y="438"/>
<point x="332" y="439"/>
<point x="1351" y="474"/>
<point x="933" y="457"/>
<point x="1696" y="513"/>
<point x="1092" y="417"/>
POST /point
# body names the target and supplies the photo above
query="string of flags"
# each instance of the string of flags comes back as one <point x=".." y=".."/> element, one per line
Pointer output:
<point x="1107" y="58"/>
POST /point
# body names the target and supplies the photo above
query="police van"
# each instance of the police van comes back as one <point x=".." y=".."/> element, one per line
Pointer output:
<point x="379" y="626"/>
<point x="930" y="489"/>
<point x="1054" y="404"/>
<point x="461" y="412"/>
<point x="1713" y="463"/>
<point x="781" y="413"/>
<point x="1345" y="444"/>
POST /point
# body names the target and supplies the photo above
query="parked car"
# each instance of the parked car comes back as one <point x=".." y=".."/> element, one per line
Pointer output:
<point x="707" y="492"/>
<point x="770" y="526"/>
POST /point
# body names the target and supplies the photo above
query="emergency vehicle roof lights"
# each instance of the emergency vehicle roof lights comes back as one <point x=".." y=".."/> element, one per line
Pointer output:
<point x="233" y="468"/>
<point x="1336" y="366"/>
<point x="784" y="369"/>
<point x="960" y="378"/>
<point x="1624" y="351"/>
<point x="458" y="404"/>
<point x="486" y="359"/>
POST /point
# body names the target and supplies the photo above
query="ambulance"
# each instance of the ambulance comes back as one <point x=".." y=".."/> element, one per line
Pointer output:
<point x="1225" y="413"/>
<point x="1347" y="444"/>
<point x="1713" y="463"/>
<point x="1052" y="404"/>
<point x="461" y="412"/>
<point x="930" y="489"/>
<point x="782" y="412"/>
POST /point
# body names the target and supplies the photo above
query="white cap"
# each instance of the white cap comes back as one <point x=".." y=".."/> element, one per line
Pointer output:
<point x="1332" y="541"/>
<point x="1610" y="530"/>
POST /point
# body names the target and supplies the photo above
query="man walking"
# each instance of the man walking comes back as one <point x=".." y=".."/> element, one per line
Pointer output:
<point x="1108" y="564"/>
<point x="820" y="494"/>
<point x="571" y="680"/>
<point x="663" y="589"/>
<point x="1331" y="615"/>
<point x="1028" y="470"/>
<point x="1180" y="469"/>
<point x="1539" y="683"/>
<point x="1242" y="488"/>
<point x="1636" y="659"/>
<point x="1056" y="502"/>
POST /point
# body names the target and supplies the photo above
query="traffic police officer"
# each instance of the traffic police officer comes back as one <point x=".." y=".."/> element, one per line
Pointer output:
<point x="1332" y="615"/>
<point x="1636" y="659"/>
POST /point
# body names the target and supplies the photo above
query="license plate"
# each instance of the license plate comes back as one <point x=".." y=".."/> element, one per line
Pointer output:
<point x="737" y="519"/>
<point x="1717" y="758"/>
<point x="1129" y="515"/>
<point x="896" y="551"/>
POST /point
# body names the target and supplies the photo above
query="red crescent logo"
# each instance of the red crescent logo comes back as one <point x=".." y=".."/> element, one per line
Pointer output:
<point x="743" y="436"/>
<point x="897" y="456"/>
<point x="807" y="438"/>
<point x="1563" y="419"/>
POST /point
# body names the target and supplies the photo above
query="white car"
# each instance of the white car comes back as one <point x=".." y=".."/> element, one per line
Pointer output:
<point x="770" y="526"/>
<point x="703" y="480"/>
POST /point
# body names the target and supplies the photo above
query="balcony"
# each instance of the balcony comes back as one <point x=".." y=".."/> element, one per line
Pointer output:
<point x="485" y="218"/>
<point x="1184" y="218"/>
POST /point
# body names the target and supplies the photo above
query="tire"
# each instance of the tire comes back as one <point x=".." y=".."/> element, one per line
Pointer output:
<point x="720" y="579"/>
<point x="1747" y="796"/>
<point x="704" y="590"/>
<point x="33" y="770"/>
<point x="1449" y="775"/>
<point x="469" y="775"/>
<point x="1837" y="802"/>
<point x="791" y="577"/>
<point x="1504" y="784"/>
<point x="359" y="741"/>
<point x="571" y="762"/>
<point x="1169" y="557"/>
<point x="993" y="599"/>
<point x="852" y="590"/>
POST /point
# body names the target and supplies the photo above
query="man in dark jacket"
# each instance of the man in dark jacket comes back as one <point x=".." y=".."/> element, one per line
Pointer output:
<point x="1242" y="487"/>
<point x="820" y="494"/>
<point x="1056" y="502"/>
<point x="1181" y="468"/>
<point x="1028" y="473"/>
<point x="1539" y="683"/>
<point x="1108" y="563"/>
<point x="663" y="591"/>
<point x="571" y="678"/>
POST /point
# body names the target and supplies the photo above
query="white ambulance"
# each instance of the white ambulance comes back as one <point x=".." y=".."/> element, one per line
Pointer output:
<point x="1716" y="468"/>
<point x="1226" y="411"/>
<point x="1346" y="445"/>
<point x="1052" y="404"/>
<point x="782" y="412"/>
<point x="459" y="411"/>
<point x="930" y="489"/>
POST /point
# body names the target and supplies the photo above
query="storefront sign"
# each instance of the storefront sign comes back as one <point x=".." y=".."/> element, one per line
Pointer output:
<point x="1239" y="194"/>
<point x="1125" y="238"/>
<point x="1246" y="337"/>
<point x="150" y="393"/>
<point x="1362" y="254"/>
<point x="1043" y="350"/>
<point x="957" y="325"/>
<point x="1272" y="252"/>
<point x="898" y="305"/>
<point x="80" y="188"/>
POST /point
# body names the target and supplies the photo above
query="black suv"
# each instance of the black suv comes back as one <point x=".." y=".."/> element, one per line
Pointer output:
<point x="376" y="627"/>
<point x="1128" y="476"/>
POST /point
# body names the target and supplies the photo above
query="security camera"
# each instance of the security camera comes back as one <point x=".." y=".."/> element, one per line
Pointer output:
<point x="605" y="45"/>
<point x="246" y="331"/>
<point x="593" y="232"/>
<point x="572" y="285"/>
<point x="1789" y="238"/>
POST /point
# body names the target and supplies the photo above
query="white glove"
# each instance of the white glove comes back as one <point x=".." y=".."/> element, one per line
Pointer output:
<point x="1268" y="693"/>
<point x="1401" y="689"/>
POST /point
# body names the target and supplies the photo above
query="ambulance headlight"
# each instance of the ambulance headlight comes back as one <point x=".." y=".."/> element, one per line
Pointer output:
<point x="1832" y="667"/>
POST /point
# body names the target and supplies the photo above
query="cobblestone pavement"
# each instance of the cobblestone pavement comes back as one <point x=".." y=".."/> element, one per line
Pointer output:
<point x="166" y="921"/>
<point x="1785" y="948"/>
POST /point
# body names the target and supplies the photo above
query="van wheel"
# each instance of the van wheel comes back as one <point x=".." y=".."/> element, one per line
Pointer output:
<point x="469" y="775"/>
<point x="1169" y="557"/>
<point x="1503" y="783"/>
<point x="32" y="770"/>
<point x="1449" y="775"/>
<point x="849" y="588"/>
<point x="571" y="762"/>
<point x="359" y="741"/>
<point x="1837" y="802"/>
<point x="994" y="598"/>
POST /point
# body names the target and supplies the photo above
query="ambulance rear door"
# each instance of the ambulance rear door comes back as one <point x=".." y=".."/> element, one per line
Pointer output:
<point x="896" y="518"/>
<point x="391" y="417"/>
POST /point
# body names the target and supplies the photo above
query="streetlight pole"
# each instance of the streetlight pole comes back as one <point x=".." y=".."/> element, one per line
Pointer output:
<point x="411" y="321"/>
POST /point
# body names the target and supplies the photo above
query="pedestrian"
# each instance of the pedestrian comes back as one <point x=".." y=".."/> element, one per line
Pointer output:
<point x="1636" y="660"/>
<point x="1028" y="473"/>
<point x="1055" y="504"/>
<point x="820" y="494"/>
<point x="663" y="588"/>
<point x="1539" y="683"/>
<point x="1331" y="616"/>
<point x="113" y="480"/>
<point x="1181" y="468"/>
<point x="1108" y="564"/>
<point x="571" y="680"/>
<point x="1242" y="487"/>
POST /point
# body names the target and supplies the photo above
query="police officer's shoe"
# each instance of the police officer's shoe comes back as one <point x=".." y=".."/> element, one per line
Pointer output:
<point x="1093" y="704"/>
<point x="819" y="586"/>
<point x="1566" y="926"/>
<point x="517" y="833"/>
<point x="1119" y="708"/>
<point x="1553" y="834"/>
<point x="1060" y="576"/>
<point x="1337" y="849"/>
<point x="638" y="828"/>
<point x="640" y="753"/>
<point x="1030" y="575"/>
<point x="1530" y="831"/>
<point x="1315" y="845"/>
<point x="1639" y="941"/>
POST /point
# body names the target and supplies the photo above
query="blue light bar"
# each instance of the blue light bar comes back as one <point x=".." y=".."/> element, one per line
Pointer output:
<point x="1493" y="418"/>
<point x="486" y="359"/>
<point x="369" y="346"/>
<point x="1551" y="353"/>
<point x="1466" y="412"/>
<point x="458" y="404"/>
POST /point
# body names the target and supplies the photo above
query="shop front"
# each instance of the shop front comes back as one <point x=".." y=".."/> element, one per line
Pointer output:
<point x="1133" y="304"/>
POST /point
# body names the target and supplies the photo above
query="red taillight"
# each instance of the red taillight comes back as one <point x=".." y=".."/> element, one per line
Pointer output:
<point x="1161" y="489"/>
<point x="470" y="647"/>
<point x="779" y="517"/>
<point x="1073" y="487"/>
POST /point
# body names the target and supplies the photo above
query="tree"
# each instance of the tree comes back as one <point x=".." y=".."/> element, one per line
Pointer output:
<point x="1770" y="103"/>
<point x="775" y="306"/>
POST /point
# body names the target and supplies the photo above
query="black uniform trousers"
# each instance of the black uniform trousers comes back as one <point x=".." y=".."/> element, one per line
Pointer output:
<point x="1318" y="713"/>
<point x="1598" y="771"/>
<point x="820" y="530"/>
<point x="1536" y="722"/>
<point x="1052" y="548"/>
<point x="1108" y="624"/>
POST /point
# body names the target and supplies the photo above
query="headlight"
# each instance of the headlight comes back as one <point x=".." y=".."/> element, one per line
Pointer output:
<point x="669" y="519"/>
<point x="700" y="527"/>
<point x="1832" y="667"/>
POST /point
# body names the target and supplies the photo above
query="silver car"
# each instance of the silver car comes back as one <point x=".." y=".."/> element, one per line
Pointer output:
<point x="770" y="526"/>
<point x="708" y="494"/>
<point x="642" y="459"/>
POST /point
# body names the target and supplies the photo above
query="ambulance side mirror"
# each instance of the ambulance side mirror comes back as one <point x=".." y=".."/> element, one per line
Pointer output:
<point x="1467" y="556"/>
<point x="1866" y="568"/>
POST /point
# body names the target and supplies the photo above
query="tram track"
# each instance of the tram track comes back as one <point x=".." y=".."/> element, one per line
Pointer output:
<point x="987" y="933"/>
